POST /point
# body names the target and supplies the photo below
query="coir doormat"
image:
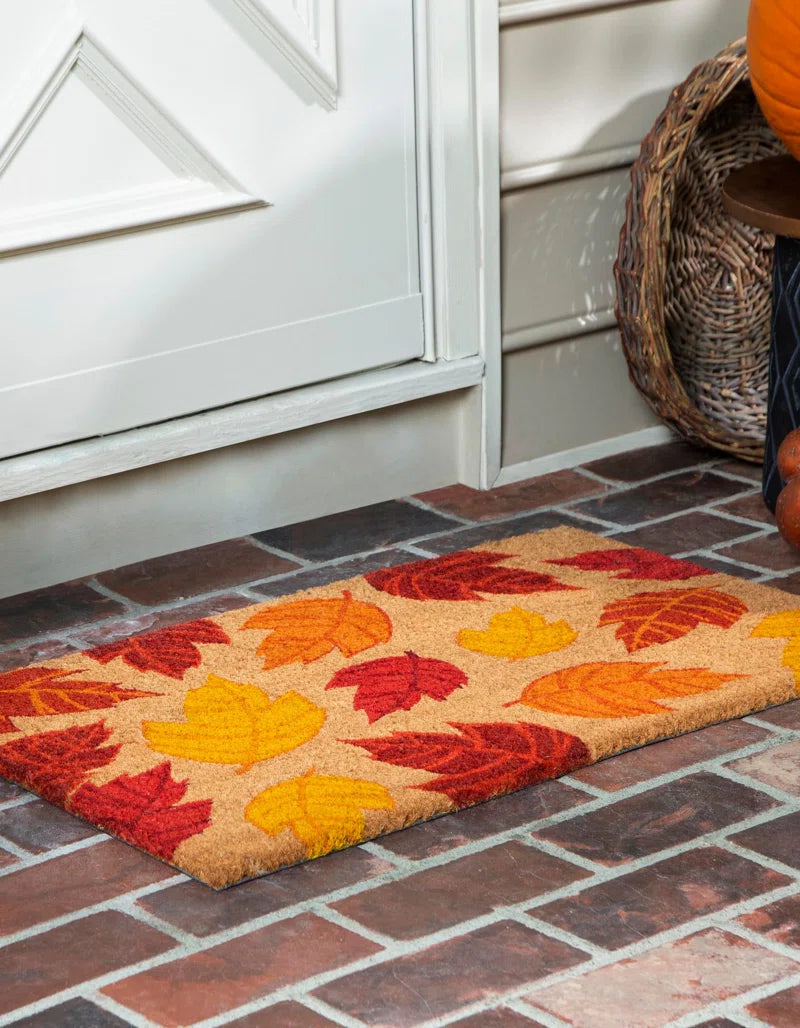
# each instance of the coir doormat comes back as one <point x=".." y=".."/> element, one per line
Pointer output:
<point x="235" y="745"/>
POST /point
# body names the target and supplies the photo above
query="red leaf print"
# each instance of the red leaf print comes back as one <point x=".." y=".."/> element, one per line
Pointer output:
<point x="53" y="763"/>
<point x="635" y="563"/>
<point x="397" y="683"/>
<point x="143" y="809"/>
<point x="653" y="618"/>
<point x="485" y="760"/>
<point x="460" y="576"/>
<point x="169" y="651"/>
<point x="39" y="691"/>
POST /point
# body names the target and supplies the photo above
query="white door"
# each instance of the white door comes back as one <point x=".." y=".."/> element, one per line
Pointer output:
<point x="201" y="201"/>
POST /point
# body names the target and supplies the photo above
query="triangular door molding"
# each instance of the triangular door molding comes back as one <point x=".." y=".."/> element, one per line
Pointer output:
<point x="194" y="184"/>
<point x="304" y="32"/>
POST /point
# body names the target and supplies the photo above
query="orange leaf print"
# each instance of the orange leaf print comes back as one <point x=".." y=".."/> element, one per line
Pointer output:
<point x="305" y="630"/>
<point x="611" y="690"/>
<point x="41" y="691"/>
<point x="648" y="619"/>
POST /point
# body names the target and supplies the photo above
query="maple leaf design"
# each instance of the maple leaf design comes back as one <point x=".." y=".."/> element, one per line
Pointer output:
<point x="460" y="576"/>
<point x="785" y="624"/>
<point x="653" y="618"/>
<point x="168" y="651"/>
<point x="43" y="691"/>
<point x="53" y="763"/>
<point x="397" y="683"/>
<point x="633" y="562"/>
<point x="144" y="809"/>
<point x="305" y="630"/>
<point x="517" y="634"/>
<point x="612" y="690"/>
<point x="325" y="812"/>
<point x="233" y="723"/>
<point x="484" y="760"/>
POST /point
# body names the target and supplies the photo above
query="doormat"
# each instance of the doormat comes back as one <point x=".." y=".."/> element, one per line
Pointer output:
<point x="235" y="745"/>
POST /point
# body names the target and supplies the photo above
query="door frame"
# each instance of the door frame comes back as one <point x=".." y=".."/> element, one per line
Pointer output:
<point x="458" y="168"/>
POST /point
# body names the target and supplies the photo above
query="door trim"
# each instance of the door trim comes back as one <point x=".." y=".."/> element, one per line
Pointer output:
<point x="458" y="169"/>
<point x="466" y="350"/>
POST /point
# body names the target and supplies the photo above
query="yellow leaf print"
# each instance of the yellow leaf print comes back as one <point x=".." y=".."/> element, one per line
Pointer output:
<point x="783" y="625"/>
<point x="230" y="723"/>
<point x="325" y="812"/>
<point x="517" y="634"/>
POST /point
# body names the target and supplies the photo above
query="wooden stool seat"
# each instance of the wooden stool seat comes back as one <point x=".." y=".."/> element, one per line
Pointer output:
<point x="766" y="195"/>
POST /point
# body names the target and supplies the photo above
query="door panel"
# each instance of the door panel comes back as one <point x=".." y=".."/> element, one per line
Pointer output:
<point x="127" y="125"/>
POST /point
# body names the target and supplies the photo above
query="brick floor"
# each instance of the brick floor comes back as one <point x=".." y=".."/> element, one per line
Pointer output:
<point x="662" y="884"/>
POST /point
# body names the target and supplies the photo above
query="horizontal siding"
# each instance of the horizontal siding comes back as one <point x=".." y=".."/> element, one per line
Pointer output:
<point x="568" y="394"/>
<point x="596" y="80"/>
<point x="559" y="243"/>
<point x="581" y="83"/>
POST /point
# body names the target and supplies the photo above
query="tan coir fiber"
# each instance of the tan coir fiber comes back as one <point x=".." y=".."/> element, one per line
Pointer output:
<point x="235" y="745"/>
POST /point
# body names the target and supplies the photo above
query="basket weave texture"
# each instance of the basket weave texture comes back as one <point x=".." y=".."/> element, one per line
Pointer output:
<point x="694" y="286"/>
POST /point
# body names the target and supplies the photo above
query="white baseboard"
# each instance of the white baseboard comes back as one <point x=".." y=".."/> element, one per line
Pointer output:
<point x="94" y="525"/>
<point x="581" y="454"/>
<point x="72" y="463"/>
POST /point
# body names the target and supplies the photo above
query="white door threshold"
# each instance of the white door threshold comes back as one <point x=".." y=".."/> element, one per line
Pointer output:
<point x="226" y="426"/>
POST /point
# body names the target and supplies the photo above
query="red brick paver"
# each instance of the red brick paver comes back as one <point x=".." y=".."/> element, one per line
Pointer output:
<point x="435" y="981"/>
<point x="665" y="983"/>
<point x="598" y="899"/>
<point x="233" y="973"/>
<point x="74" y="953"/>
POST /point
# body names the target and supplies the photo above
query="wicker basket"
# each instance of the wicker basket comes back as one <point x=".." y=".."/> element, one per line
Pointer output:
<point x="694" y="290"/>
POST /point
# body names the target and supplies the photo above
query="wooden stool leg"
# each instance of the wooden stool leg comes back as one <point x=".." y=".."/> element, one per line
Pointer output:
<point x="783" y="413"/>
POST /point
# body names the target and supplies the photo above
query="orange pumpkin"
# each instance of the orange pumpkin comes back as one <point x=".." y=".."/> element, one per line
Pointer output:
<point x="789" y="456"/>
<point x="773" y="52"/>
<point x="787" y="512"/>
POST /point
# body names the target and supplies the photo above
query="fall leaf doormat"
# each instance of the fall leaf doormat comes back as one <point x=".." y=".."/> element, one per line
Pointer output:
<point x="234" y="745"/>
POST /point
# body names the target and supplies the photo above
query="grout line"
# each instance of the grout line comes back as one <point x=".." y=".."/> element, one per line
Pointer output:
<point x="18" y="801"/>
<point x="111" y="595"/>
<point x="579" y="972"/>
<point x="554" y="932"/>
<point x="779" y="795"/>
<point x="128" y="904"/>
<point x="250" y="594"/>
<point x="418" y="551"/>
<point x="32" y="860"/>
<point x="118" y="1010"/>
<point x="707" y="551"/>
<point x="584" y="472"/>
<point x="111" y="903"/>
<point x="723" y="1008"/>
<point x="397" y="859"/>
<point x="400" y="949"/>
<point x="413" y="501"/>
<point x="351" y="925"/>
<point x="7" y="846"/>
<point x="765" y="941"/>
<point x="739" y="850"/>
<point x="591" y="790"/>
<point x="542" y="1017"/>
<point x="326" y="1010"/>
<point x="754" y="719"/>
<point x="277" y="552"/>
